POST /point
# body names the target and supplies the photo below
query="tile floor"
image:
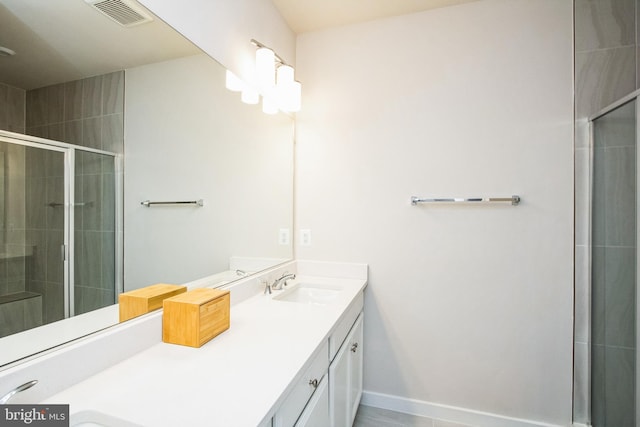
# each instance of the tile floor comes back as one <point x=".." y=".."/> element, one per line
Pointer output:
<point x="369" y="416"/>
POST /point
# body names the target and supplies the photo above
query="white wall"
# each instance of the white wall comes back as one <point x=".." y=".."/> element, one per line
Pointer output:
<point x="469" y="306"/>
<point x="187" y="137"/>
<point x="224" y="29"/>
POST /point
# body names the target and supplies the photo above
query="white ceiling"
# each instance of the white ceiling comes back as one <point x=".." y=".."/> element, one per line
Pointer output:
<point x="310" y="15"/>
<point x="63" y="40"/>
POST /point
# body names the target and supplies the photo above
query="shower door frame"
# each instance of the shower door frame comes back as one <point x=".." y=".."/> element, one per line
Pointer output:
<point x="617" y="104"/>
<point x="69" y="151"/>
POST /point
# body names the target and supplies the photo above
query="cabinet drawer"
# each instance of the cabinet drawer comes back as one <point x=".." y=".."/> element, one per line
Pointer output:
<point x="344" y="325"/>
<point x="302" y="391"/>
<point x="316" y="414"/>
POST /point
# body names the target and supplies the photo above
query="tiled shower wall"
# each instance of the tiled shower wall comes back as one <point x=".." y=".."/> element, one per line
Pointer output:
<point x="12" y="118"/>
<point x="12" y="108"/>
<point x="606" y="47"/>
<point x="88" y="113"/>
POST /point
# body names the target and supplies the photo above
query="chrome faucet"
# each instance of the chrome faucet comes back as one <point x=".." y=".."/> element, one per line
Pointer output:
<point x="282" y="281"/>
<point x="267" y="287"/>
<point x="4" y="399"/>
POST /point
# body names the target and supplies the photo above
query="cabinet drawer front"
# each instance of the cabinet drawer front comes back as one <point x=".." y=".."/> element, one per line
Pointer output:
<point x="339" y="386"/>
<point x="344" y="325"/>
<point x="302" y="391"/>
<point x="316" y="414"/>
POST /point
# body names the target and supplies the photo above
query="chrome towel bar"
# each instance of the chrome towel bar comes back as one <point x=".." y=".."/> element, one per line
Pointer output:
<point x="514" y="200"/>
<point x="149" y="203"/>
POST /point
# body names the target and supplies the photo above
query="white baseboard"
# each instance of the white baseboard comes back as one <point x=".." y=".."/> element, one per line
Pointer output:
<point x="445" y="412"/>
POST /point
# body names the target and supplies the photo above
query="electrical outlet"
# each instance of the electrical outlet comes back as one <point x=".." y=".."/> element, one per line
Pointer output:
<point x="284" y="236"/>
<point x="305" y="237"/>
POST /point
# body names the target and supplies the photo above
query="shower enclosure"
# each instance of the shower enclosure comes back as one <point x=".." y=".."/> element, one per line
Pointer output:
<point x="58" y="239"/>
<point x="614" y="314"/>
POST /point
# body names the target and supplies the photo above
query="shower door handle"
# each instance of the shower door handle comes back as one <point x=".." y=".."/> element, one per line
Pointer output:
<point x="63" y="252"/>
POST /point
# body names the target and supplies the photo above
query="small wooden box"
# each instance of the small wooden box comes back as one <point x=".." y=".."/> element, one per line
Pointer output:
<point x="195" y="317"/>
<point x="140" y="301"/>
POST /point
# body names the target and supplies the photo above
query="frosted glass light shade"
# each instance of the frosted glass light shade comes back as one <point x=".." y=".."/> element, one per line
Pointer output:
<point x="265" y="67"/>
<point x="233" y="82"/>
<point x="250" y="96"/>
<point x="269" y="105"/>
<point x="295" y="101"/>
<point x="270" y="101"/>
<point x="288" y="90"/>
<point x="290" y="96"/>
<point x="285" y="75"/>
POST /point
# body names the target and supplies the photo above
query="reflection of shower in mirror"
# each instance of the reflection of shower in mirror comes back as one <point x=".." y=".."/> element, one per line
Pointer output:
<point x="58" y="259"/>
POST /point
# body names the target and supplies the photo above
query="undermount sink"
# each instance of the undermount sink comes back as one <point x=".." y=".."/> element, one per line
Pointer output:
<point x="98" y="419"/>
<point x="309" y="293"/>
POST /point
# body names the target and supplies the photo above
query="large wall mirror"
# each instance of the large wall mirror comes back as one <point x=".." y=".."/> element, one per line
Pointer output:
<point x="96" y="119"/>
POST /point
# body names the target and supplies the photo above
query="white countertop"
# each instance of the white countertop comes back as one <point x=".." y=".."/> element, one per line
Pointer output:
<point x="237" y="379"/>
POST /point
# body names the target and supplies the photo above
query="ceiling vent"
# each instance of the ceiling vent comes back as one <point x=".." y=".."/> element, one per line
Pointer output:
<point x="125" y="12"/>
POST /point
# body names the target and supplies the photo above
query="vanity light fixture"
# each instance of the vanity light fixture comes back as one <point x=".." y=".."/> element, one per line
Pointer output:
<point x="275" y="81"/>
<point x="288" y="89"/>
<point x="294" y="100"/>
<point x="233" y="82"/>
<point x="250" y="95"/>
<point x="270" y="102"/>
<point x="265" y="71"/>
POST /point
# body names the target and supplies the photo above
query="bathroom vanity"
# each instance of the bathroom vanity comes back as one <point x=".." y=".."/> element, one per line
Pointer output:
<point x="292" y="357"/>
<point x="329" y="391"/>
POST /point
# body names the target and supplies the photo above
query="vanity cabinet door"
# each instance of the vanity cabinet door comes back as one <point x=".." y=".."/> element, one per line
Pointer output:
<point x="339" y="388"/>
<point x="345" y="379"/>
<point x="355" y="368"/>
<point x="316" y="413"/>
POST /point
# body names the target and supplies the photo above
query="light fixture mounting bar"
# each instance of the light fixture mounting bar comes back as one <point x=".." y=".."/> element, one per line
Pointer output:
<point x="257" y="44"/>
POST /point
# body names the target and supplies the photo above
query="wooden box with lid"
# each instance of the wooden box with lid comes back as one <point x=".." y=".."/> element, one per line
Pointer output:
<point x="195" y="317"/>
<point x="145" y="300"/>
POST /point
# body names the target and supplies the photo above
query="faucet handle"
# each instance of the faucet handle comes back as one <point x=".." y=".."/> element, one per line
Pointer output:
<point x="267" y="287"/>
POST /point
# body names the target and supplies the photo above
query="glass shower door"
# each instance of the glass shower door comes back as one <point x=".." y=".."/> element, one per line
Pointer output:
<point x="60" y="253"/>
<point x="94" y="251"/>
<point x="613" y="269"/>
<point x="32" y="282"/>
